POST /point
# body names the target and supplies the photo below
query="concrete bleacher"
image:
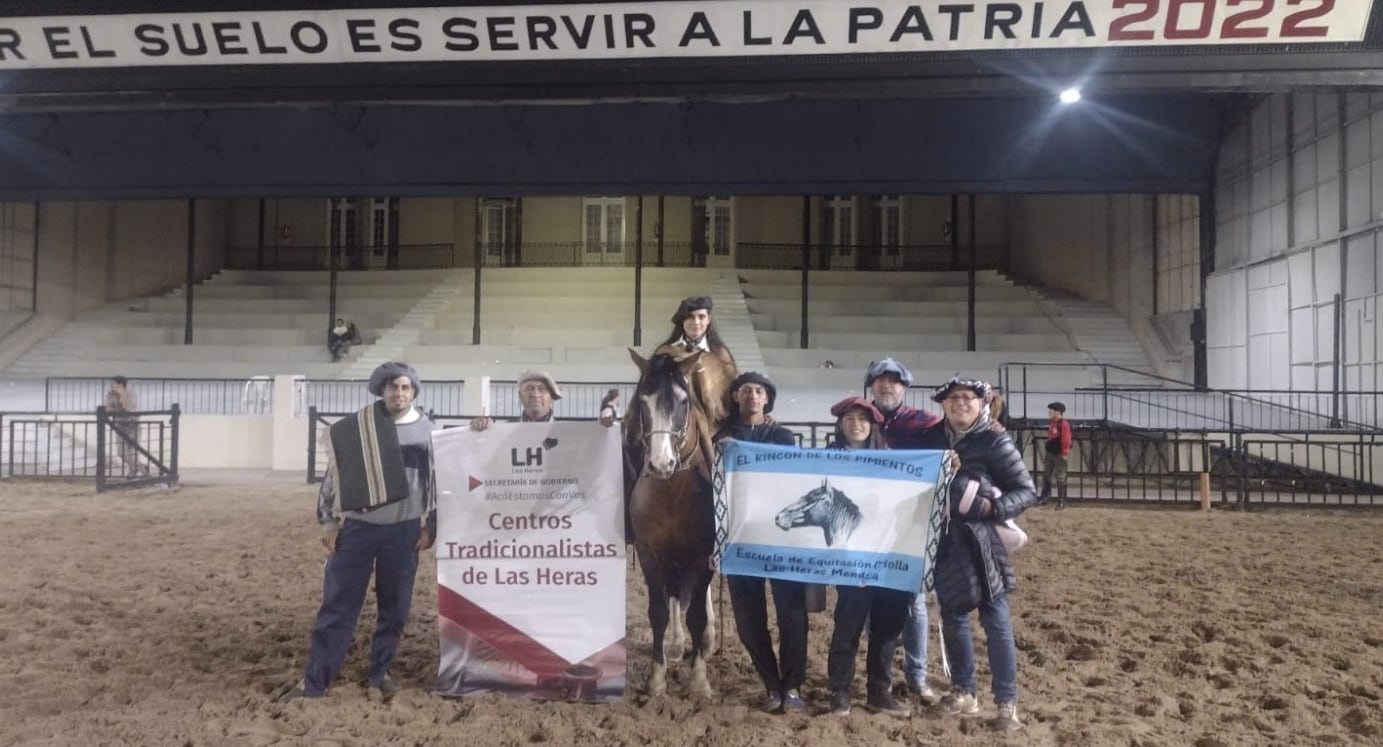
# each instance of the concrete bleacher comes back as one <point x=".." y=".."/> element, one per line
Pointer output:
<point x="918" y="318"/>
<point x="575" y="321"/>
<point x="245" y="323"/>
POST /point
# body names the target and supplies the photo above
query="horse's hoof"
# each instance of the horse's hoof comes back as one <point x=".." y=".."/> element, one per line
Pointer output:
<point x="700" y="685"/>
<point x="657" y="681"/>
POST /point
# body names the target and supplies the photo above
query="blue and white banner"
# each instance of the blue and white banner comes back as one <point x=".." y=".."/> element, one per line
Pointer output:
<point x="864" y="518"/>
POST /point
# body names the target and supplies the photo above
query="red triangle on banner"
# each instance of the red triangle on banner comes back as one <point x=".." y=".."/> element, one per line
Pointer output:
<point x="474" y="483"/>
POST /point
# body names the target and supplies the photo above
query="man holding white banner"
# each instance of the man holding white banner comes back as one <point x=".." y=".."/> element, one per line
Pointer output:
<point x="530" y="561"/>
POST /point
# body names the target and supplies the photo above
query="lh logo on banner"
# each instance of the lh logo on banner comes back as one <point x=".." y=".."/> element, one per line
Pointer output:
<point x="861" y="518"/>
<point x="530" y="561"/>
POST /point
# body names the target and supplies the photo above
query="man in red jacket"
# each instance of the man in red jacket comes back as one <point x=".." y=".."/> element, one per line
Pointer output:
<point x="1058" y="447"/>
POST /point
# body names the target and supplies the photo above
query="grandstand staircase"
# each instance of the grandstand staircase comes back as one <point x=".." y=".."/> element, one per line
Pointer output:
<point x="734" y="324"/>
<point x="62" y="349"/>
<point x="409" y="329"/>
<point x="1099" y="331"/>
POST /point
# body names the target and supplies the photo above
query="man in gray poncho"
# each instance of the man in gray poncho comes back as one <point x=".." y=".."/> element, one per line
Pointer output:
<point x="379" y="478"/>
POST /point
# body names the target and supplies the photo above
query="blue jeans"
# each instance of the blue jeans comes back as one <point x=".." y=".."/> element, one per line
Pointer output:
<point x="915" y="642"/>
<point x="1003" y="654"/>
<point x="388" y="552"/>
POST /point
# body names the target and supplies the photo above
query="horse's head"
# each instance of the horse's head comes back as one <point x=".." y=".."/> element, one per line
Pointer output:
<point x="668" y="413"/>
<point x="824" y="507"/>
<point x="811" y="510"/>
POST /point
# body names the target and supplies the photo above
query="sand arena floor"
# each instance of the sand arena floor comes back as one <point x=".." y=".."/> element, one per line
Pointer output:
<point x="170" y="617"/>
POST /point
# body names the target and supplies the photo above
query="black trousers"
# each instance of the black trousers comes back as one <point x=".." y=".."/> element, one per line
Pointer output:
<point x="748" y="600"/>
<point x="887" y="611"/>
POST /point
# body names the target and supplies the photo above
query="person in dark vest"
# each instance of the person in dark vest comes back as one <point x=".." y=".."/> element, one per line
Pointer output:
<point x="377" y="511"/>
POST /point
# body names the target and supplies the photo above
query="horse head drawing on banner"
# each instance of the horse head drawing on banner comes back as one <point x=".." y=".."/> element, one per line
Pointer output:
<point x="672" y="432"/>
<point x="824" y="507"/>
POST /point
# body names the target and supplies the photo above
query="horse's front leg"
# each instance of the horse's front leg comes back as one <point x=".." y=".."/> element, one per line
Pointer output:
<point x="698" y="619"/>
<point x="676" y="640"/>
<point x="657" y="620"/>
<point x="708" y="639"/>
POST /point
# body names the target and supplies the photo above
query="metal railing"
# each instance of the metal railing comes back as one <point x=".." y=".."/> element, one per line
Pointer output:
<point x="442" y="398"/>
<point x="1139" y="399"/>
<point x="1110" y="463"/>
<point x="291" y="257"/>
<point x="580" y="400"/>
<point x="129" y="451"/>
<point x="255" y="396"/>
<point x="907" y="257"/>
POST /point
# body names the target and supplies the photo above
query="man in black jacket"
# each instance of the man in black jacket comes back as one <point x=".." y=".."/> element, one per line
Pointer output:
<point x="973" y="570"/>
<point x="752" y="396"/>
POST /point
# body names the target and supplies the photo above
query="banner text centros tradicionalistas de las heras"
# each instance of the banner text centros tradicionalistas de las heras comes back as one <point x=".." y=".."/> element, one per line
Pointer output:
<point x="530" y="561"/>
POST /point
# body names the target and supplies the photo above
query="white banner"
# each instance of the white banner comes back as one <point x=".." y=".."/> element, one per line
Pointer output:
<point x="858" y="518"/>
<point x="531" y="561"/>
<point x="723" y="28"/>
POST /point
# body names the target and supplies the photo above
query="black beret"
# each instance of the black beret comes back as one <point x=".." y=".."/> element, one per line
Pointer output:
<point x="690" y="304"/>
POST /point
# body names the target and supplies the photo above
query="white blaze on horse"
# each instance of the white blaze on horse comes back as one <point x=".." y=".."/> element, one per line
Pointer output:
<point x="671" y="514"/>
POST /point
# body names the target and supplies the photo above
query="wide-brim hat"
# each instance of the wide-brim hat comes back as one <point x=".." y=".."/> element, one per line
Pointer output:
<point x="543" y="376"/>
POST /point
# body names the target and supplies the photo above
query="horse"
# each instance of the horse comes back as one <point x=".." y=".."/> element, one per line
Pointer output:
<point x="824" y="507"/>
<point x="671" y="513"/>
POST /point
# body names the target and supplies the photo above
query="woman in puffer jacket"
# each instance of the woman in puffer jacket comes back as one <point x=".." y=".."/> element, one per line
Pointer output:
<point x="973" y="570"/>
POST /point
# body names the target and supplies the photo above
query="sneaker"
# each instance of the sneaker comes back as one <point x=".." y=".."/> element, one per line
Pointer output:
<point x="923" y="693"/>
<point x="294" y="692"/>
<point x="772" y="703"/>
<point x="793" y="702"/>
<point x="961" y="704"/>
<point x="386" y="688"/>
<point x="840" y="704"/>
<point x="881" y="701"/>
<point x="1008" y="717"/>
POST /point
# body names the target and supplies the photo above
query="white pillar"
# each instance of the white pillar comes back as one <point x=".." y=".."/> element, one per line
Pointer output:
<point x="477" y="395"/>
<point x="290" y="425"/>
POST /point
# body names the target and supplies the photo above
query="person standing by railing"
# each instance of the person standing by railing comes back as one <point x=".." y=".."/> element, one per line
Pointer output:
<point x="122" y="405"/>
<point x="1058" y="448"/>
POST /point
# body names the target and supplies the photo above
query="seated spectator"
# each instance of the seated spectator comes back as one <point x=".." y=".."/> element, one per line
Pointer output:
<point x="341" y="337"/>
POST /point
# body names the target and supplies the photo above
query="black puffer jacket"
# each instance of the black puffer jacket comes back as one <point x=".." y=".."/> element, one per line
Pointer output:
<point x="972" y="565"/>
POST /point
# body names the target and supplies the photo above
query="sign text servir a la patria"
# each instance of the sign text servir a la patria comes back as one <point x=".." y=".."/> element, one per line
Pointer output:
<point x="723" y="28"/>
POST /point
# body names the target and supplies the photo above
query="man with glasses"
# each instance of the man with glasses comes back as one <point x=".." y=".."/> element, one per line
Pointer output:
<point x="887" y="383"/>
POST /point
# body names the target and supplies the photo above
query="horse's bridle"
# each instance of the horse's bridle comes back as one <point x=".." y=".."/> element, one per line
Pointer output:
<point x="685" y="461"/>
